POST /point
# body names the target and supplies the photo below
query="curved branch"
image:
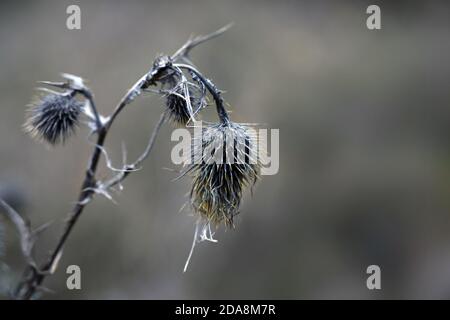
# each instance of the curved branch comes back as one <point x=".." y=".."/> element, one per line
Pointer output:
<point x="223" y="114"/>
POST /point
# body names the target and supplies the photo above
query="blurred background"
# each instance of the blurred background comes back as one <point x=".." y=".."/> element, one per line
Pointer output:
<point x="364" y="149"/>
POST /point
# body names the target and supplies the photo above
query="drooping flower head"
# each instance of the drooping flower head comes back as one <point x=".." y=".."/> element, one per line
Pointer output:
<point x="53" y="117"/>
<point x="180" y="112"/>
<point x="225" y="164"/>
<point x="184" y="93"/>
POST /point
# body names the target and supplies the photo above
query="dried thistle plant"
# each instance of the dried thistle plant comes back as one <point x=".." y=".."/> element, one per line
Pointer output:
<point x="217" y="189"/>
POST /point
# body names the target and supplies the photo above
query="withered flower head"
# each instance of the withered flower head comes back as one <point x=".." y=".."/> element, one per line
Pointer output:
<point x="53" y="117"/>
<point x="228" y="165"/>
<point x="179" y="110"/>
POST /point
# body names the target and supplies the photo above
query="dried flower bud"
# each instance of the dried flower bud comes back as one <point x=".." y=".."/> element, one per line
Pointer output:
<point x="218" y="187"/>
<point x="160" y="70"/>
<point x="54" y="117"/>
<point x="177" y="105"/>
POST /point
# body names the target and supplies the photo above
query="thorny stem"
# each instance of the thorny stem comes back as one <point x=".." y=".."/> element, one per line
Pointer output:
<point x="33" y="277"/>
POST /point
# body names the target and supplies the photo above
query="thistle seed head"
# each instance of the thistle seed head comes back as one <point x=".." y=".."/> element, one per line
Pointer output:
<point x="177" y="106"/>
<point x="53" y="117"/>
<point x="218" y="187"/>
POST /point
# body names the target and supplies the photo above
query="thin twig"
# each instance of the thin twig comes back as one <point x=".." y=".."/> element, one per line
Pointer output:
<point x="184" y="51"/>
<point x="128" y="168"/>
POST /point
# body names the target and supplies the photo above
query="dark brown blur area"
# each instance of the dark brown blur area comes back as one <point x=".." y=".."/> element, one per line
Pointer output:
<point x="364" y="149"/>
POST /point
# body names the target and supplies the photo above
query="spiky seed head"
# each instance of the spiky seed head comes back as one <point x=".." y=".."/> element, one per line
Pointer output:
<point x="53" y="117"/>
<point x="177" y="106"/>
<point x="218" y="186"/>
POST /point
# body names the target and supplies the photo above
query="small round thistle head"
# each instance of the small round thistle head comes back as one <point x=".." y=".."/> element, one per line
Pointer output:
<point x="53" y="117"/>
<point x="227" y="167"/>
<point x="178" y="109"/>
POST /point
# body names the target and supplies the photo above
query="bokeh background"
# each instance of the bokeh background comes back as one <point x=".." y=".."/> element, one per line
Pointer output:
<point x="364" y="149"/>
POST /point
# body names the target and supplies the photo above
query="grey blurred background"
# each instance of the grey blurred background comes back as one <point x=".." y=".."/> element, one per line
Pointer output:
<point x="364" y="149"/>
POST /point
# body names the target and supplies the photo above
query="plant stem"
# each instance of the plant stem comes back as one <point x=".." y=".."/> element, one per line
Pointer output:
<point x="223" y="114"/>
<point x="27" y="288"/>
<point x="32" y="279"/>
